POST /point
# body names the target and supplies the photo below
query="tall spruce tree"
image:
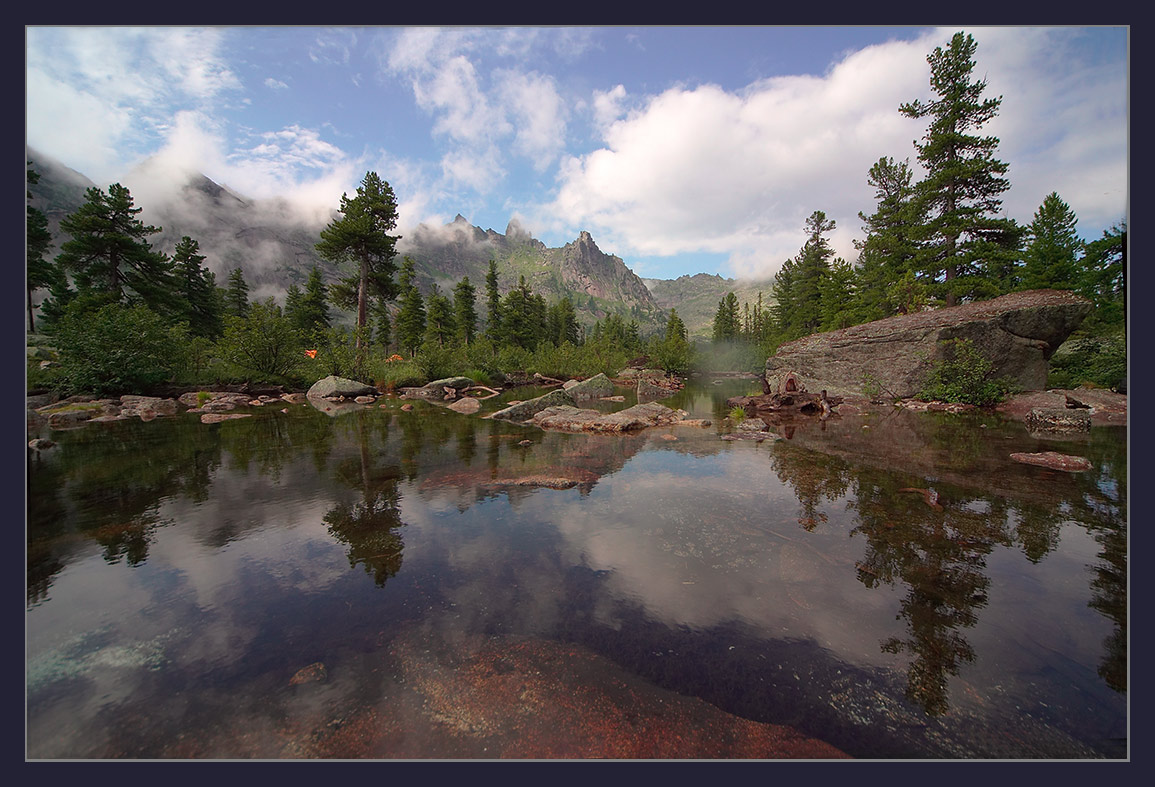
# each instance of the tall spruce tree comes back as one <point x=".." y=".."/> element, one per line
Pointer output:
<point x="890" y="248"/>
<point x="439" y="323"/>
<point x="1103" y="277"/>
<point x="314" y="310"/>
<point x="966" y="247"/>
<point x="361" y="235"/>
<point x="493" y="321"/>
<point x="39" y="272"/>
<point x="236" y="295"/>
<point x="727" y="321"/>
<point x="197" y="290"/>
<point x="410" y="322"/>
<point x="109" y="253"/>
<point x="465" y="310"/>
<point x="1050" y="260"/>
<point x="519" y="317"/>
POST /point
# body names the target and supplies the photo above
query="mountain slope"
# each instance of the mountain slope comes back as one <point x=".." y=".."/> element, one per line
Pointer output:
<point x="273" y="244"/>
<point x="696" y="297"/>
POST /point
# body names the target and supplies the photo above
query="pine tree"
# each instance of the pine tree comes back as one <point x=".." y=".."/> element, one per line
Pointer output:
<point x="382" y="324"/>
<point x="196" y="290"/>
<point x="109" y="253"/>
<point x="1103" y="276"/>
<point x="727" y="324"/>
<point x="561" y="323"/>
<point x="39" y="272"/>
<point x="890" y="248"/>
<point x="519" y="318"/>
<point x="236" y="295"/>
<point x="465" y="311"/>
<point x="361" y="235"/>
<point x="1050" y="258"/>
<point x="440" y="328"/>
<point x="838" y="294"/>
<point x="313" y="317"/>
<point x="812" y="270"/>
<point x="493" y="317"/>
<point x="963" y="240"/>
<point x="410" y="322"/>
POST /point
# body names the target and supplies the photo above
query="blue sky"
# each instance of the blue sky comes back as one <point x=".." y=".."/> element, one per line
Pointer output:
<point x="680" y="149"/>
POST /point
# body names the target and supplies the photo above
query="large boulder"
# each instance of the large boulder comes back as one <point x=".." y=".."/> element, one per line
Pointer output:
<point x="523" y="411"/>
<point x="339" y="386"/>
<point x="594" y="388"/>
<point x="1018" y="333"/>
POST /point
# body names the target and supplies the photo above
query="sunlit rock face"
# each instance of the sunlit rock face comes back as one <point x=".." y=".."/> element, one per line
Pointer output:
<point x="1018" y="333"/>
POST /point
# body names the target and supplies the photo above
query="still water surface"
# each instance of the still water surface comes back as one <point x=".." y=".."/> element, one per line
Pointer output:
<point x="420" y="584"/>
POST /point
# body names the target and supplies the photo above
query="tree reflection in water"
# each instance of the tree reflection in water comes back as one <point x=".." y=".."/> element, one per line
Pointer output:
<point x="369" y="527"/>
<point x="934" y="537"/>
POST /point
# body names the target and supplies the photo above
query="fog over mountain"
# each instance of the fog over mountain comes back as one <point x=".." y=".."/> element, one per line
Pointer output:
<point x="272" y="242"/>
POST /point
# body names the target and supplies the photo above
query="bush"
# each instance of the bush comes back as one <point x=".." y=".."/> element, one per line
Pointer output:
<point x="1090" y="360"/>
<point x="264" y="342"/>
<point x="963" y="375"/>
<point x="117" y="349"/>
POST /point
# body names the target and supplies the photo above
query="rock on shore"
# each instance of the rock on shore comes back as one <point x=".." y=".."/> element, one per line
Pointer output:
<point x="1018" y="333"/>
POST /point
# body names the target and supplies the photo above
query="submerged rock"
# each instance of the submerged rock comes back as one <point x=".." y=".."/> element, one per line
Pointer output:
<point x="1018" y="333"/>
<point x="649" y="390"/>
<point x="438" y="390"/>
<point x="216" y="418"/>
<point x="1047" y="419"/>
<point x="466" y="404"/>
<point x="1055" y="461"/>
<point x="640" y="416"/>
<point x="523" y="411"/>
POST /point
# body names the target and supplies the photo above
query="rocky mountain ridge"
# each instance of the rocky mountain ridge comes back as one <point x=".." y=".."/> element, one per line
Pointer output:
<point x="273" y="244"/>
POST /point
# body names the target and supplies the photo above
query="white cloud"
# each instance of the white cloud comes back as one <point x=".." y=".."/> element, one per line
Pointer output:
<point x="122" y="86"/>
<point x="486" y="115"/>
<point x="275" y="84"/>
<point x="608" y="106"/>
<point x="539" y="115"/>
<point x="702" y="169"/>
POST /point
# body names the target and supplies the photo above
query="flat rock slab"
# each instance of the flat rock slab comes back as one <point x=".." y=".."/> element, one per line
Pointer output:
<point x="1055" y="461"/>
<point x="640" y="416"/>
<point x="437" y="389"/>
<point x="523" y="411"/>
<point x="216" y="418"/>
<point x="1018" y="333"/>
<point x="1106" y="408"/>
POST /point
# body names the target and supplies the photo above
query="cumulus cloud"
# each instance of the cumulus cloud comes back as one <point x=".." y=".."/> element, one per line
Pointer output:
<point x="704" y="169"/>
<point x="275" y="84"/>
<point x="121" y="85"/>
<point x="486" y="115"/>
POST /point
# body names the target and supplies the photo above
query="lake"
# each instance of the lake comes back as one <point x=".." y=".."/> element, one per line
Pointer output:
<point x="431" y="585"/>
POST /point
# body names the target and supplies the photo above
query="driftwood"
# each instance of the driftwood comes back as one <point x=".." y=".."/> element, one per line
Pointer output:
<point x="542" y="380"/>
<point x="794" y="401"/>
<point x="492" y="393"/>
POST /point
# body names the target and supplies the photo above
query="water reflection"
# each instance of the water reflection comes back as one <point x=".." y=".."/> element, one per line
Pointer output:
<point x="874" y="547"/>
<point x="934" y="540"/>
<point x="369" y="526"/>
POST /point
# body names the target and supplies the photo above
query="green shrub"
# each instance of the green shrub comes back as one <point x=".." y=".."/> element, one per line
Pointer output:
<point x="963" y="376"/>
<point x="263" y="342"/>
<point x="1090" y="360"/>
<point x="117" y="349"/>
<point x="737" y="414"/>
<point x="436" y="361"/>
